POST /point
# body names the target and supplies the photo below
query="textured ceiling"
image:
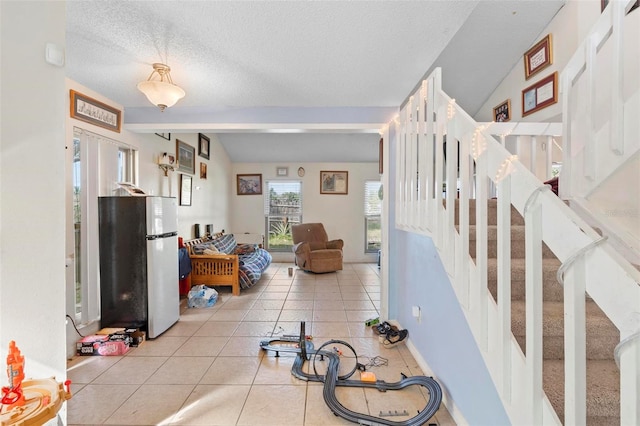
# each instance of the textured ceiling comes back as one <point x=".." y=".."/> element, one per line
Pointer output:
<point x="262" y="55"/>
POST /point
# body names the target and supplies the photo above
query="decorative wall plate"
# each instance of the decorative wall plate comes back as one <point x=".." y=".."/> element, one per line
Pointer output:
<point x="300" y="171"/>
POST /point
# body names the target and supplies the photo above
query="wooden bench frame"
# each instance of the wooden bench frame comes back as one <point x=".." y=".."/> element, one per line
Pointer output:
<point x="213" y="269"/>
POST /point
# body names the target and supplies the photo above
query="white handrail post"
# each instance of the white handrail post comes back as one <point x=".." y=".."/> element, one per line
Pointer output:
<point x="630" y="383"/>
<point x="548" y="168"/>
<point x="439" y="166"/>
<point x="616" y="141"/>
<point x="590" y="76"/>
<point x="430" y="162"/>
<point x="423" y="166"/>
<point x="399" y="167"/>
<point x="533" y="154"/>
<point x="452" y="185"/>
<point x="463" y="219"/>
<point x="566" y="177"/>
<point x="533" y="307"/>
<point x="413" y="164"/>
<point x="504" y="282"/>
<point x="480" y="292"/>
<point x="575" y="352"/>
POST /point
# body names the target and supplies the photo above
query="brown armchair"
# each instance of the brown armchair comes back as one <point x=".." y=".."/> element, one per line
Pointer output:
<point x="313" y="250"/>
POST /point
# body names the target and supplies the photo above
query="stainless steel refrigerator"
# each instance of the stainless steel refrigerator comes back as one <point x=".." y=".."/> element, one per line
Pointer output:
<point x="139" y="263"/>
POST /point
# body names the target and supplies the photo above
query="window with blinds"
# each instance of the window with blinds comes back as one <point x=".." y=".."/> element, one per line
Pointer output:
<point x="372" y="211"/>
<point x="282" y="208"/>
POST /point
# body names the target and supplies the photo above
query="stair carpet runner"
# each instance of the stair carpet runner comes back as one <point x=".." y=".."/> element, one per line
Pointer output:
<point x="603" y="376"/>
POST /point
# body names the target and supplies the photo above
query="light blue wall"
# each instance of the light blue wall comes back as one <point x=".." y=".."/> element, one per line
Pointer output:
<point x="443" y="338"/>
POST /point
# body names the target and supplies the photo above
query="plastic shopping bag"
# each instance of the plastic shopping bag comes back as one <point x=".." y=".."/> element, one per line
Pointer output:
<point x="201" y="296"/>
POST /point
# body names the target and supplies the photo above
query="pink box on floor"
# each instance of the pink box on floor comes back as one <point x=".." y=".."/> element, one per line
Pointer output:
<point x="102" y="345"/>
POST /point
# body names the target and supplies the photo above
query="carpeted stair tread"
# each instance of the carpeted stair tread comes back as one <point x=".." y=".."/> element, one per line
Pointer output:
<point x="602" y="336"/>
<point x="603" y="390"/>
<point x="551" y="290"/>
<point x="517" y="242"/>
<point x="603" y="377"/>
<point x="492" y="208"/>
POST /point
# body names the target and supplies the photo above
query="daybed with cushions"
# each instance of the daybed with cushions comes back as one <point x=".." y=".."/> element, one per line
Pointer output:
<point x="220" y="261"/>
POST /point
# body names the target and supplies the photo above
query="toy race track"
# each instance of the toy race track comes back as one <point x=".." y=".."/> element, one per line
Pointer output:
<point x="305" y="351"/>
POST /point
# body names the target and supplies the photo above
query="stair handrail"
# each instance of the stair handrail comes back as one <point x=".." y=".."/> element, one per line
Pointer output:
<point x="547" y="219"/>
<point x="617" y="352"/>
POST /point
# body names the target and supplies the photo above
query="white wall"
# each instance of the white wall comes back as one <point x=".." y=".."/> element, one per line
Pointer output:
<point x="612" y="201"/>
<point x="567" y="29"/>
<point x="32" y="261"/>
<point x="210" y="196"/>
<point x="342" y="215"/>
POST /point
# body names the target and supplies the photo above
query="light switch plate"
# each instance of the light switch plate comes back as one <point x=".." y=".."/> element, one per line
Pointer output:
<point x="54" y="55"/>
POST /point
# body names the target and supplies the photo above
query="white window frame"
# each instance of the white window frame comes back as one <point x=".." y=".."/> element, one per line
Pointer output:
<point x="371" y="212"/>
<point x="98" y="177"/>
<point x="267" y="210"/>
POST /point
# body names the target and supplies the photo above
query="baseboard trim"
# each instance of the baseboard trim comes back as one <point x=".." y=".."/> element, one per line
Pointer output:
<point x="448" y="402"/>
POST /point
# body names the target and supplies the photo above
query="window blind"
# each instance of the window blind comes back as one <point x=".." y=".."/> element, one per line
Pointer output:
<point x="372" y="201"/>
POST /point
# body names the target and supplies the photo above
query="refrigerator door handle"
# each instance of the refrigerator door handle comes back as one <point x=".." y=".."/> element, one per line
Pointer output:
<point x="165" y="235"/>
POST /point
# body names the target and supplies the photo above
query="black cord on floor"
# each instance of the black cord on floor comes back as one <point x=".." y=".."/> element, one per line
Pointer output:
<point x="74" y="325"/>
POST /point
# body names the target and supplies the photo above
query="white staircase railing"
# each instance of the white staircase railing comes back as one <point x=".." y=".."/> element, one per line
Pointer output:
<point x="430" y="124"/>
<point x="535" y="144"/>
<point x="601" y="105"/>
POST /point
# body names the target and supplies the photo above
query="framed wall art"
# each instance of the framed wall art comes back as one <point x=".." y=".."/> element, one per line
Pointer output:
<point x="203" y="170"/>
<point x="186" y="183"/>
<point x="249" y="184"/>
<point x="204" y="144"/>
<point x="166" y="136"/>
<point x="502" y="112"/>
<point x="334" y="182"/>
<point x="282" y="171"/>
<point x="92" y="111"/>
<point x="186" y="155"/>
<point x="540" y="95"/>
<point x="538" y="57"/>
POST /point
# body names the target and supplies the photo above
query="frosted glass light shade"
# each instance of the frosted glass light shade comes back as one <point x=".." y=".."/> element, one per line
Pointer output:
<point x="161" y="93"/>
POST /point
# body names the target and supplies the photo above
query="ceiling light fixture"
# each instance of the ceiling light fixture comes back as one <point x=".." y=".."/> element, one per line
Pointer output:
<point x="162" y="93"/>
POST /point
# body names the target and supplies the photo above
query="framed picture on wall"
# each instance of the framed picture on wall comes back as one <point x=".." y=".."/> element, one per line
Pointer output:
<point x="186" y="182"/>
<point x="92" y="111"/>
<point x="203" y="170"/>
<point x="186" y="155"/>
<point x="334" y="182"/>
<point x="538" y="57"/>
<point x="540" y="95"/>
<point x="502" y="112"/>
<point x="249" y="184"/>
<point x="204" y="144"/>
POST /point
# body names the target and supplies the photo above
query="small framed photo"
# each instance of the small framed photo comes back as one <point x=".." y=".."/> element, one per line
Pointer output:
<point x="95" y="112"/>
<point x="204" y="144"/>
<point x="540" y="95"/>
<point x="502" y="112"/>
<point x="332" y="182"/>
<point x="203" y="170"/>
<point x="186" y="182"/>
<point x="186" y="155"/>
<point x="282" y="171"/>
<point x="166" y="136"/>
<point x="249" y="184"/>
<point x="538" y="57"/>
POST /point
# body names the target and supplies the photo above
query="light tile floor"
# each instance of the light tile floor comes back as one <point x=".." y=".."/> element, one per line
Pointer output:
<point x="208" y="369"/>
